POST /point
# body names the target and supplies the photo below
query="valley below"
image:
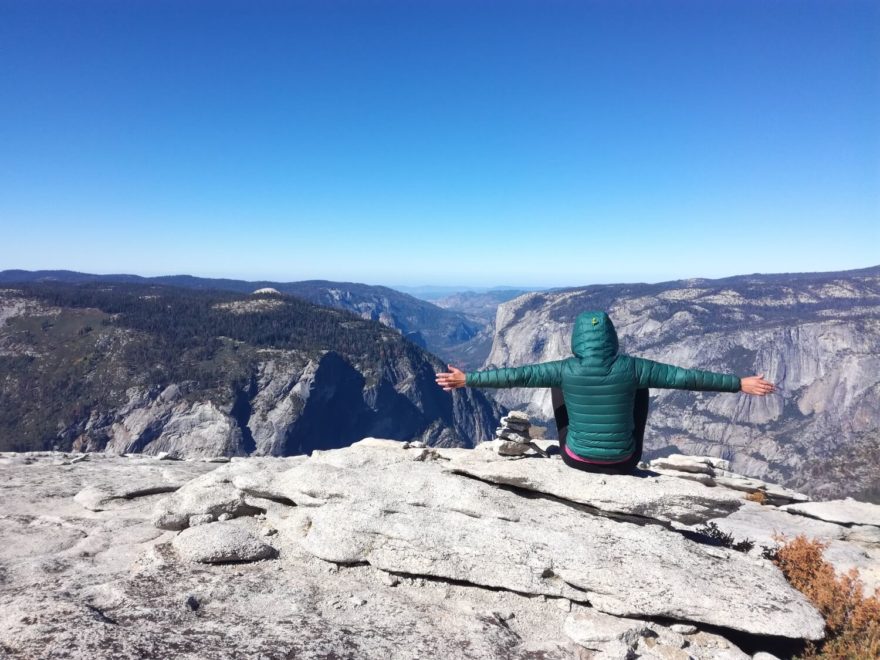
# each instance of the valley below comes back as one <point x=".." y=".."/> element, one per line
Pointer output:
<point x="201" y="367"/>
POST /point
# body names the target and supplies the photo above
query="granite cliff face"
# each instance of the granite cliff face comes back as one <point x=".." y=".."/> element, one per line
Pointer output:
<point x="264" y="376"/>
<point x="817" y="336"/>
<point x="288" y="409"/>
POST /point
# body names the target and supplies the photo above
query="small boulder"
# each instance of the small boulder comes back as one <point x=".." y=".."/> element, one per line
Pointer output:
<point x="200" y="519"/>
<point x="221" y="542"/>
<point x="511" y="448"/>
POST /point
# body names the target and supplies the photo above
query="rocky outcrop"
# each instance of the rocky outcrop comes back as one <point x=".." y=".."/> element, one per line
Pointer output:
<point x="618" y="637"/>
<point x="281" y="391"/>
<point x="851" y="538"/>
<point x="385" y="549"/>
<point x="214" y="494"/>
<point x="166" y="421"/>
<point x="816" y="336"/>
<point x="715" y="472"/>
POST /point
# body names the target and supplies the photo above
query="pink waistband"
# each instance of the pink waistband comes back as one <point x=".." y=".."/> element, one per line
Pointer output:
<point x="571" y="454"/>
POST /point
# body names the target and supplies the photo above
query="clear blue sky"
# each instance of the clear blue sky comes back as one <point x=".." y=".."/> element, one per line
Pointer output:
<point x="529" y="143"/>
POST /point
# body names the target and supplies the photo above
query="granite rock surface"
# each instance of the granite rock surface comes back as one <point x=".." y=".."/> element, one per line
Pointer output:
<point x="380" y="551"/>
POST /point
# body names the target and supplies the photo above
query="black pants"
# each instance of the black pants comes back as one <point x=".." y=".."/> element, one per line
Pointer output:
<point x="640" y="419"/>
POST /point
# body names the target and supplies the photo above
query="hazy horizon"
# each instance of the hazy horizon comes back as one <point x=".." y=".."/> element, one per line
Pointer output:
<point x="429" y="287"/>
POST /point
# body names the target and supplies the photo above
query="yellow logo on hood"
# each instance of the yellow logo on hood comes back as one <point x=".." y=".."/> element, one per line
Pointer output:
<point x="595" y="321"/>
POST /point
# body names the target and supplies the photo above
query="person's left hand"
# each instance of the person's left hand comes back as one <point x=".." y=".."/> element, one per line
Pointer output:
<point x="452" y="379"/>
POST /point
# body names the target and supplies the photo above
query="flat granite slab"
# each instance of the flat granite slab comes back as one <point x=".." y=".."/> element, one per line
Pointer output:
<point x="408" y="511"/>
<point x="646" y="495"/>
<point x="843" y="512"/>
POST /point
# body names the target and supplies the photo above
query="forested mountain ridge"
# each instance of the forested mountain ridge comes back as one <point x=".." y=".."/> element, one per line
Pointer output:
<point x="438" y="330"/>
<point x="134" y="367"/>
<point x="817" y="335"/>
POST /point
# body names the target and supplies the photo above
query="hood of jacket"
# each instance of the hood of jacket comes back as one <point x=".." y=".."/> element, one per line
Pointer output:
<point x="594" y="338"/>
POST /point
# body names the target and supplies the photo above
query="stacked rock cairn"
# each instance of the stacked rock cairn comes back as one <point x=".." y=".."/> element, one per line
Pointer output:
<point x="512" y="437"/>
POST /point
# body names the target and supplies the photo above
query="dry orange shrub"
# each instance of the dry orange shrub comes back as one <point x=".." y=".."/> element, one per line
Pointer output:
<point x="852" y="621"/>
<point x="758" y="496"/>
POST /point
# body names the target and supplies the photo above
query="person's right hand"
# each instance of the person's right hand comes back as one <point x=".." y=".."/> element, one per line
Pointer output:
<point x="452" y="379"/>
<point x="756" y="385"/>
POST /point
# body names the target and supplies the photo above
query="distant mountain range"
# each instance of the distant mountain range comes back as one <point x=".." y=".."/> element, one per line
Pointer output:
<point x="817" y="335"/>
<point x="444" y="332"/>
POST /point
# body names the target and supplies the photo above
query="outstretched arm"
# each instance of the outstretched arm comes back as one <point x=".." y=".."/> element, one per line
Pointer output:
<point x="667" y="376"/>
<point x="545" y="374"/>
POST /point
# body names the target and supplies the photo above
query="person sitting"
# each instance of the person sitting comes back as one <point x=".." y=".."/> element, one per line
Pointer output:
<point x="605" y="393"/>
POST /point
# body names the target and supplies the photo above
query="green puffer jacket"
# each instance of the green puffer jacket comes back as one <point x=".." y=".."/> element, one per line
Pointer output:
<point x="599" y="387"/>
